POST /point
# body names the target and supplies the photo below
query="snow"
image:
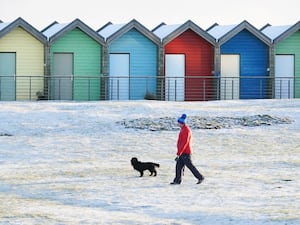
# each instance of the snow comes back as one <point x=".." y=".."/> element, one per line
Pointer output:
<point x="110" y="30"/>
<point x="274" y="31"/>
<point x="69" y="163"/>
<point x="3" y="25"/>
<point x="164" y="30"/>
<point x="219" y="31"/>
<point x="54" y="29"/>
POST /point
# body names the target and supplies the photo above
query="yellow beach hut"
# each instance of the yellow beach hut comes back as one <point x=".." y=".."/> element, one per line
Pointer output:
<point x="22" y="50"/>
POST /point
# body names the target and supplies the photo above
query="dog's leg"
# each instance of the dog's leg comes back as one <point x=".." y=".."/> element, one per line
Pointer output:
<point x="141" y="173"/>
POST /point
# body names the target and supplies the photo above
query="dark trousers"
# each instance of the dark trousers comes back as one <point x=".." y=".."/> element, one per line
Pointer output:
<point x="185" y="160"/>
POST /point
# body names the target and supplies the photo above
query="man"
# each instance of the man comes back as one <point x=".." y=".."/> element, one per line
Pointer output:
<point x="184" y="152"/>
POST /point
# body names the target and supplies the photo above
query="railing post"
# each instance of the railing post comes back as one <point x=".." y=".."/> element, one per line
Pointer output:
<point x="232" y="89"/>
<point x="59" y="89"/>
<point x="175" y="89"/>
<point x="280" y="88"/>
<point x="261" y="89"/>
<point x="89" y="89"/>
<point x="30" y="87"/>
<point x="204" y="89"/>
<point x="289" y="90"/>
<point x="168" y="89"/>
<point x="118" y="89"/>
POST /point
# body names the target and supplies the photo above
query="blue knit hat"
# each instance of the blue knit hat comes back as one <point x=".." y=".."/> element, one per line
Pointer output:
<point x="182" y="119"/>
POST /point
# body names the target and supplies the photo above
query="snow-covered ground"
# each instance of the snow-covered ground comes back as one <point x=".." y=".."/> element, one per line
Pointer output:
<point x="69" y="163"/>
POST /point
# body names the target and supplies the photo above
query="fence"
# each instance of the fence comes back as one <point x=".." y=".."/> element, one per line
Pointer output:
<point x="189" y="88"/>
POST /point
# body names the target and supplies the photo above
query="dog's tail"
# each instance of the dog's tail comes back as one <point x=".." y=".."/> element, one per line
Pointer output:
<point x="155" y="164"/>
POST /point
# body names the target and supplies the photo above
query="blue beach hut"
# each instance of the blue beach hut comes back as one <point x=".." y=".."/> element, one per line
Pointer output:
<point x="242" y="57"/>
<point x="131" y="59"/>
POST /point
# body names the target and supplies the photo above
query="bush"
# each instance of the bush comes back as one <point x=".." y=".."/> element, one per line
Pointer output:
<point x="150" y="96"/>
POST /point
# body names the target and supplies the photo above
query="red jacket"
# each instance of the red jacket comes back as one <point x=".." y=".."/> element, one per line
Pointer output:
<point x="184" y="141"/>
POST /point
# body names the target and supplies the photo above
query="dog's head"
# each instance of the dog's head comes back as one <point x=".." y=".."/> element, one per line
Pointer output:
<point x="134" y="160"/>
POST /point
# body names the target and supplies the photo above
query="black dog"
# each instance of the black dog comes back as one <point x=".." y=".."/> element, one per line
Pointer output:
<point x="142" y="166"/>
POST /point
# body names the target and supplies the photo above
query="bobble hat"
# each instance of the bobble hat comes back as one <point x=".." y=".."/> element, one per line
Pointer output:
<point x="182" y="119"/>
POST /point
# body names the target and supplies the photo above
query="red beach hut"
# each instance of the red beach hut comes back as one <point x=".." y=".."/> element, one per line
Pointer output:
<point x="188" y="62"/>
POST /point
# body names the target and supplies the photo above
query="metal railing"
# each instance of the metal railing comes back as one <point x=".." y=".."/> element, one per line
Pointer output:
<point x="189" y="88"/>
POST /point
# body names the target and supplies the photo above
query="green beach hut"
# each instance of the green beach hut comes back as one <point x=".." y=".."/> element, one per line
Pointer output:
<point x="22" y="50"/>
<point x="75" y="61"/>
<point x="286" y="44"/>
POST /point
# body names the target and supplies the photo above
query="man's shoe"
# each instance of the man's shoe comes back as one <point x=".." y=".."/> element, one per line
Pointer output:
<point x="173" y="183"/>
<point x="200" y="181"/>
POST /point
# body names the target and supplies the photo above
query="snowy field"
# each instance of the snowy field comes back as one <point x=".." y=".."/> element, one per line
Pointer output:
<point x="69" y="163"/>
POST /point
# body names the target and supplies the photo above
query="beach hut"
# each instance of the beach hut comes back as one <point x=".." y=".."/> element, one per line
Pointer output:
<point x="243" y="64"/>
<point x="132" y="61"/>
<point x="75" y="61"/>
<point x="286" y="43"/>
<point x="22" y="49"/>
<point x="188" y="62"/>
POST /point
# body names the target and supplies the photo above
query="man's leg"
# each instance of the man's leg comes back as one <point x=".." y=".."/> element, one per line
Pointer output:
<point x="188" y="162"/>
<point x="179" y="167"/>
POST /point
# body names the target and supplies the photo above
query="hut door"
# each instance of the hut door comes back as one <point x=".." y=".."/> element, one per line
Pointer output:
<point x="175" y="74"/>
<point x="63" y="76"/>
<point x="119" y="76"/>
<point x="284" y="76"/>
<point x="230" y="77"/>
<point x="7" y="76"/>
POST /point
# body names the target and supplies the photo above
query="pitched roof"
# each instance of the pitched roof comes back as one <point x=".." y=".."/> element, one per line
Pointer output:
<point x="159" y="25"/>
<point x="279" y="33"/>
<point x="19" y="22"/>
<point x="167" y="33"/>
<point x="223" y="33"/>
<point x="55" y="30"/>
<point x="164" y="30"/>
<point x="3" y="25"/>
<point x="113" y="31"/>
<point x="110" y="29"/>
<point x="219" y="31"/>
